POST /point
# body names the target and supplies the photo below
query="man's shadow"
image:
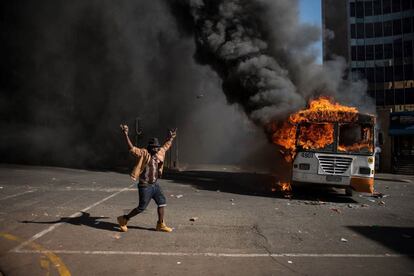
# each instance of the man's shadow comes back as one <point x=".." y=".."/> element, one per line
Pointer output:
<point x="87" y="220"/>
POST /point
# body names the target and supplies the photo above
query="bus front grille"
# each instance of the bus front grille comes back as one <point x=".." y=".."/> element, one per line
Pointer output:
<point x="334" y="164"/>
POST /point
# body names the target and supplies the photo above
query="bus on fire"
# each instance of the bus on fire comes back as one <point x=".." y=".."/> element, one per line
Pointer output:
<point x="345" y="158"/>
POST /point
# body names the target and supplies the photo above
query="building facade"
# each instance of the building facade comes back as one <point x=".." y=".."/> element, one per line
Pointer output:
<point x="376" y="38"/>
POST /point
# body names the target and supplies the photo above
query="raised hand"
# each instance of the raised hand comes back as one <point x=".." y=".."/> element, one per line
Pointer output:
<point x="124" y="128"/>
<point x="173" y="132"/>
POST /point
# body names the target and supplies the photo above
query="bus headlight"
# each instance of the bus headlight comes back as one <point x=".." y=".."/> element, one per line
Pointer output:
<point x="364" y="170"/>
<point x="304" y="166"/>
<point x="370" y="160"/>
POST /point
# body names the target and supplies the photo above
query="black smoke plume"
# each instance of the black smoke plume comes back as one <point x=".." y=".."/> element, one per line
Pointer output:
<point x="72" y="71"/>
<point x="262" y="53"/>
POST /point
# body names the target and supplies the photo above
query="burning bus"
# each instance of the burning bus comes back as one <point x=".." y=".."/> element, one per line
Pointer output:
<point x="329" y="144"/>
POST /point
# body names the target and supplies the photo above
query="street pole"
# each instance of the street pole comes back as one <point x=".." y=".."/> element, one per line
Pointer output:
<point x="138" y="129"/>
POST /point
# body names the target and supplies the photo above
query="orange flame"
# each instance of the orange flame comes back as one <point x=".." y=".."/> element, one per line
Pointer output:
<point x="285" y="187"/>
<point x="314" y="128"/>
<point x="319" y="133"/>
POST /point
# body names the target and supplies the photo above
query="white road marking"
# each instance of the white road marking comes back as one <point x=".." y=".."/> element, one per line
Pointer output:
<point x="54" y="226"/>
<point x="210" y="254"/>
<point x="18" y="194"/>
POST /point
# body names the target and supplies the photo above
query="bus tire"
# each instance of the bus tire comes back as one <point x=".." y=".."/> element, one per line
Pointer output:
<point x="349" y="191"/>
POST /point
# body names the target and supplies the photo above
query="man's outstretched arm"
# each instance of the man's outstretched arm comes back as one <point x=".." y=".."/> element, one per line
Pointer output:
<point x="125" y="130"/>
<point x="168" y="143"/>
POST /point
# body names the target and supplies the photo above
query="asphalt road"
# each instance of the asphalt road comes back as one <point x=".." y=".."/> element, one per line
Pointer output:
<point x="56" y="221"/>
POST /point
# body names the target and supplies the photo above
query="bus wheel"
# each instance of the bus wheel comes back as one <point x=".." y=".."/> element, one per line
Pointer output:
<point x="349" y="191"/>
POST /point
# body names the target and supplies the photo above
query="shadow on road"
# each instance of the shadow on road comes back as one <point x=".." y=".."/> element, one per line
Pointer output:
<point x="86" y="220"/>
<point x="252" y="184"/>
<point x="398" y="239"/>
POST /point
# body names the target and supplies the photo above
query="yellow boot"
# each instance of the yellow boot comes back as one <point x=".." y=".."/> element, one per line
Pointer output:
<point x="123" y="223"/>
<point x="162" y="227"/>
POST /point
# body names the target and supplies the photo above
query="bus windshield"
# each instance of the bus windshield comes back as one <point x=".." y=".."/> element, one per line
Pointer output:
<point x="355" y="138"/>
<point x="352" y="138"/>
<point x="319" y="137"/>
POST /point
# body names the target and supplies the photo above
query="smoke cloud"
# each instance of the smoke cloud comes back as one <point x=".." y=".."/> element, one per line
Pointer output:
<point x="73" y="70"/>
<point x="264" y="56"/>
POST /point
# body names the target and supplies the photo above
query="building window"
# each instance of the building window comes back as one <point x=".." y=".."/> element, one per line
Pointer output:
<point x="396" y="27"/>
<point x="360" y="9"/>
<point x="388" y="28"/>
<point x="379" y="52"/>
<point x="388" y="74"/>
<point x="360" y="30"/>
<point x="408" y="49"/>
<point x="379" y="74"/>
<point x="389" y="97"/>
<point x="377" y="7"/>
<point x="399" y="96"/>
<point x="408" y="72"/>
<point x="378" y="29"/>
<point x="369" y="30"/>
<point x="396" y="5"/>
<point x="398" y="49"/>
<point x="399" y="73"/>
<point x="371" y="75"/>
<point x="369" y="51"/>
<point x="387" y="51"/>
<point x="371" y="93"/>
<point x="368" y="8"/>
<point x="386" y="6"/>
<point x="406" y="5"/>
<point x="409" y="96"/>
<point x="407" y="25"/>
<point x="353" y="31"/>
<point x="379" y="97"/>
<point x="353" y="53"/>
<point x="361" y="53"/>
<point x="352" y="9"/>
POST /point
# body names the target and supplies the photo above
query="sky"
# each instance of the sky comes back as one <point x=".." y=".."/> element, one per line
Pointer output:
<point x="310" y="12"/>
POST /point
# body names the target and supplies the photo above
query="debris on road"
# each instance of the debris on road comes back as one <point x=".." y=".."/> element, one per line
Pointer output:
<point x="344" y="240"/>
<point x="179" y="196"/>
<point x="193" y="218"/>
<point x="336" y="210"/>
<point x="290" y="262"/>
<point x="178" y="263"/>
<point x="364" y="205"/>
<point x="381" y="203"/>
<point x="315" y="202"/>
<point x="378" y="195"/>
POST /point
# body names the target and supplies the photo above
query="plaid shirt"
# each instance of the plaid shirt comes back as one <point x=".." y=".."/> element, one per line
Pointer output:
<point x="144" y="157"/>
<point x="150" y="173"/>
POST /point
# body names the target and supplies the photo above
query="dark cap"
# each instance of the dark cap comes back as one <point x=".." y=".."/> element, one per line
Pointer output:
<point x="153" y="143"/>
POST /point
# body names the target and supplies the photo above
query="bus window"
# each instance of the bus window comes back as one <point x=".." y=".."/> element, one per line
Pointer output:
<point x="355" y="138"/>
<point x="316" y="136"/>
